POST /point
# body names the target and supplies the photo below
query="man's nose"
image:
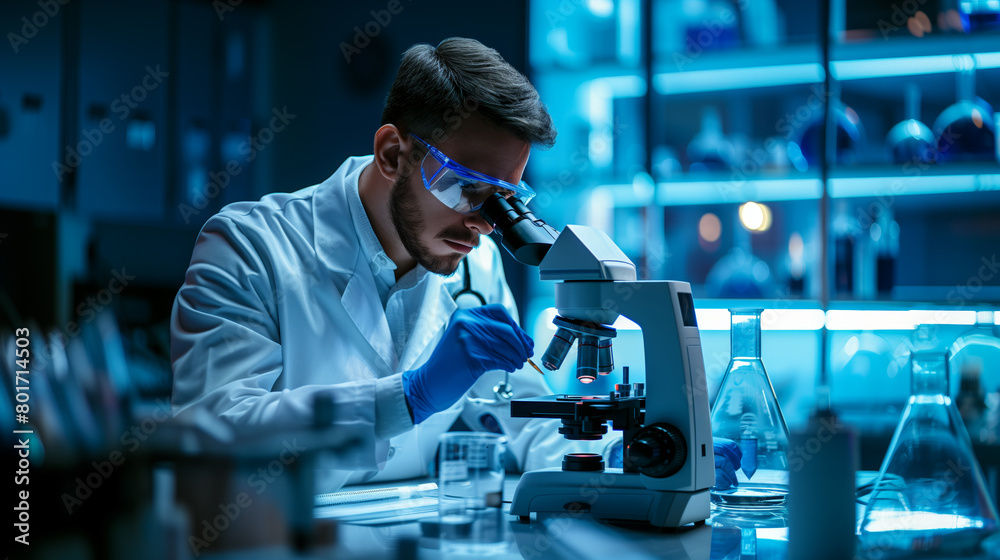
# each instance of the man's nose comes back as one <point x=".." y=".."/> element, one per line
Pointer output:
<point x="476" y="222"/>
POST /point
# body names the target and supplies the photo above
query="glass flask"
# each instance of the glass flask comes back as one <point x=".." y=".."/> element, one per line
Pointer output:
<point x="930" y="494"/>
<point x="747" y="412"/>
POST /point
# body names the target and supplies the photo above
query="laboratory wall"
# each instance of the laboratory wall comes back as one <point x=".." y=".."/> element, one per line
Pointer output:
<point x="125" y="125"/>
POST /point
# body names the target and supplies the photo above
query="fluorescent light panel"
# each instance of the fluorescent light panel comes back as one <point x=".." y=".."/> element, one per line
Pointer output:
<point x="912" y="65"/>
<point x="902" y="186"/>
<point x="886" y="320"/>
<point x="710" y="319"/>
<point x="714" y="192"/>
<point x="694" y="81"/>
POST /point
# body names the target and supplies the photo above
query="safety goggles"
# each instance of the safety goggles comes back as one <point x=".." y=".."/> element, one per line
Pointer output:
<point x="461" y="188"/>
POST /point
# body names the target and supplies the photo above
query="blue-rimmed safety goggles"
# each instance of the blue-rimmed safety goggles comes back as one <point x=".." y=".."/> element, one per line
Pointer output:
<point x="461" y="188"/>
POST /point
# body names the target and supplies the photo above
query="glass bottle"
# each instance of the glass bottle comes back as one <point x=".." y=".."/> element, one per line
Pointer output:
<point x="975" y="358"/>
<point x="930" y="494"/>
<point x="747" y="412"/>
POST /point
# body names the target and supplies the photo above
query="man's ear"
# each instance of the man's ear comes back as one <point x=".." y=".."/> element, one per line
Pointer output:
<point x="391" y="150"/>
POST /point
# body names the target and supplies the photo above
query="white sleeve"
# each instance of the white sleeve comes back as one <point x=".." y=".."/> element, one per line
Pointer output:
<point x="227" y="356"/>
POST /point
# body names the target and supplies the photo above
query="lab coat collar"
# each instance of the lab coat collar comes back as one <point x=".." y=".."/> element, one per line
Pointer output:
<point x="378" y="261"/>
<point x="363" y="305"/>
<point x="436" y="307"/>
<point x="331" y="229"/>
<point x="419" y="306"/>
<point x="337" y="249"/>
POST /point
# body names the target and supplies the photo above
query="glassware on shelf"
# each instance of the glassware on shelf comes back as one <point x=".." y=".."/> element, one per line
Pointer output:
<point x="747" y="412"/>
<point x="710" y="150"/>
<point x="930" y="494"/>
<point x="911" y="141"/>
<point x="804" y="154"/>
<point x="966" y="130"/>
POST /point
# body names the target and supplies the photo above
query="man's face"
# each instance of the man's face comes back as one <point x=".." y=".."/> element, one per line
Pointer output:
<point x="434" y="234"/>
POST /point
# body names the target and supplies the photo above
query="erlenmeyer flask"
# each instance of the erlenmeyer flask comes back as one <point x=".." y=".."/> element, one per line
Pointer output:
<point x="930" y="494"/>
<point x="746" y="411"/>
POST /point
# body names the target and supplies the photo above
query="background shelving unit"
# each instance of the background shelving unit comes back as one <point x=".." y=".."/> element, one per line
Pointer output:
<point x="637" y="91"/>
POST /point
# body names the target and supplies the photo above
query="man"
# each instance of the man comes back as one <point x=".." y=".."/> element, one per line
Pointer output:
<point x="341" y="290"/>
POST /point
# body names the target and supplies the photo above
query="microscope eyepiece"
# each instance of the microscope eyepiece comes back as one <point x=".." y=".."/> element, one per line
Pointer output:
<point x="524" y="236"/>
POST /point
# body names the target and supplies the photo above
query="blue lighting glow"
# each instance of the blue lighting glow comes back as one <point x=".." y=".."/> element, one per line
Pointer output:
<point x="737" y="190"/>
<point x="713" y="319"/>
<point x="912" y="65"/>
<point x="901" y="186"/>
<point x="738" y="78"/>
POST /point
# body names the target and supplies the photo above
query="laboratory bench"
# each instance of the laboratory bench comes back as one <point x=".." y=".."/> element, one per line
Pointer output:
<point x="724" y="536"/>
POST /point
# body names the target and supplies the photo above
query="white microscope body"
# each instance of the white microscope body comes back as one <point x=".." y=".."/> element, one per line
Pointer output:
<point x="668" y="454"/>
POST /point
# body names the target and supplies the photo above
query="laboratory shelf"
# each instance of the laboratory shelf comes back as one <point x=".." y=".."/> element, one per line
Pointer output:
<point x="912" y="56"/>
<point x="740" y="70"/>
<point x="730" y="188"/>
<point x="845" y="182"/>
<point x="561" y="75"/>
<point x="848" y="182"/>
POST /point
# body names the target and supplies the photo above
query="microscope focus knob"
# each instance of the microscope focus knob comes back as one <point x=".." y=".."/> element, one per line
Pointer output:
<point x="658" y="450"/>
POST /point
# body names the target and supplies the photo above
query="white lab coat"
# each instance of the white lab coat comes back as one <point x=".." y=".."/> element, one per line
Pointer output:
<point x="279" y="305"/>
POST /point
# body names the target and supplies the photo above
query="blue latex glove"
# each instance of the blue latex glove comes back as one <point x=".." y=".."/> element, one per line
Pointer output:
<point x="615" y="457"/>
<point x="476" y="340"/>
<point x="727" y="456"/>
<point x="727" y="460"/>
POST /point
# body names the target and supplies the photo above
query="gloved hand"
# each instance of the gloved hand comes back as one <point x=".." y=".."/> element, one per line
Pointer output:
<point x="476" y="340"/>
<point x="727" y="459"/>
<point x="616" y="456"/>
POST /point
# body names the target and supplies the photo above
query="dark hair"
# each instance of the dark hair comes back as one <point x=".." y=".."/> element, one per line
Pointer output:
<point x="437" y="87"/>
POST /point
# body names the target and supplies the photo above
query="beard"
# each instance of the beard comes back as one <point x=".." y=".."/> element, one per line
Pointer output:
<point x="404" y="210"/>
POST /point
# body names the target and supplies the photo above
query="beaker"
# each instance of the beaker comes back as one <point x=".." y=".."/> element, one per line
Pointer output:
<point x="930" y="494"/>
<point x="747" y="412"/>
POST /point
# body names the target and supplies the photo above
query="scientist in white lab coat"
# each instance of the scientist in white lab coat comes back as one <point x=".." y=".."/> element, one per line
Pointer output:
<point x="346" y="288"/>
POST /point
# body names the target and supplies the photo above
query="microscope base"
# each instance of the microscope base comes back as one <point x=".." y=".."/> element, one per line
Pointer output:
<point x="610" y="494"/>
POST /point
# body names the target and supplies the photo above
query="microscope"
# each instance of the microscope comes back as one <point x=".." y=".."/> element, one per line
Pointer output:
<point x="668" y="457"/>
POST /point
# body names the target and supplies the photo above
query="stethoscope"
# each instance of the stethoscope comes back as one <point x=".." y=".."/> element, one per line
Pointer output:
<point x="503" y="390"/>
